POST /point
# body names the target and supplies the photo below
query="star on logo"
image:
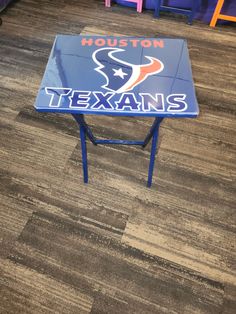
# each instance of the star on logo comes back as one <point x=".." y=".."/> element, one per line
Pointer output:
<point x="119" y="73"/>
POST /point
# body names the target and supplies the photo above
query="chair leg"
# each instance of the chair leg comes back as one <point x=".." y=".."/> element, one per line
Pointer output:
<point x="190" y="18"/>
<point x="139" y="6"/>
<point x="193" y="12"/>
<point x="157" y="8"/>
<point x="216" y="13"/>
<point x="108" y="3"/>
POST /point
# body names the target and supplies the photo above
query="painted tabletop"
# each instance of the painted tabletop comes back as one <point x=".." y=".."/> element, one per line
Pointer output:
<point x="118" y="76"/>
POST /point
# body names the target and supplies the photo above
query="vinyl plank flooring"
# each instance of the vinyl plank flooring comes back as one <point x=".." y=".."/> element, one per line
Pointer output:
<point x="229" y="300"/>
<point x="24" y="290"/>
<point x="45" y="237"/>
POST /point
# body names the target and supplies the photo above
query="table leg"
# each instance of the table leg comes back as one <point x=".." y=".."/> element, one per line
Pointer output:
<point x="152" y="134"/>
<point x="84" y="153"/>
<point x="155" y="124"/>
<point x="80" y="120"/>
<point x="153" y="154"/>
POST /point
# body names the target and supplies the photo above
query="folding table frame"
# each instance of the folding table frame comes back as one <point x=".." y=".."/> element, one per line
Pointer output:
<point x="85" y="131"/>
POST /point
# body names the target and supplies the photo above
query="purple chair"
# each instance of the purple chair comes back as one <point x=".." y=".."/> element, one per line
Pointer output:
<point x="161" y="6"/>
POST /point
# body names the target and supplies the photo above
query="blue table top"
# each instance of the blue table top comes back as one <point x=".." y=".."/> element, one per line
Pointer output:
<point x="118" y="76"/>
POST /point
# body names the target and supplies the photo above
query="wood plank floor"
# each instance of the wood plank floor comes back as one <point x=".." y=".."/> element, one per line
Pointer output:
<point x="115" y="246"/>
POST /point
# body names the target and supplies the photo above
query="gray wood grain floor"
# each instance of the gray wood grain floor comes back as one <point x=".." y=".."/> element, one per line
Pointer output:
<point x="115" y="246"/>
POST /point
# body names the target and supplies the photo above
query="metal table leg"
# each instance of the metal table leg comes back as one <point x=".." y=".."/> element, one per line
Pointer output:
<point x="155" y="124"/>
<point x="84" y="153"/>
<point x="155" y="135"/>
<point x="79" y="118"/>
<point x="85" y="131"/>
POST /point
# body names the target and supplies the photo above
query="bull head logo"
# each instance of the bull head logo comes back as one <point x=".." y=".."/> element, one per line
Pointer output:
<point x="123" y="76"/>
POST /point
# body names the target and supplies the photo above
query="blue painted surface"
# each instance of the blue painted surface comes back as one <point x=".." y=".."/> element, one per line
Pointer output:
<point x="119" y="142"/>
<point x="118" y="76"/>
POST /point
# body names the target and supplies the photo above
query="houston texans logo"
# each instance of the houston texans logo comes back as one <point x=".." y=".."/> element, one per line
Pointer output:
<point x="122" y="76"/>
